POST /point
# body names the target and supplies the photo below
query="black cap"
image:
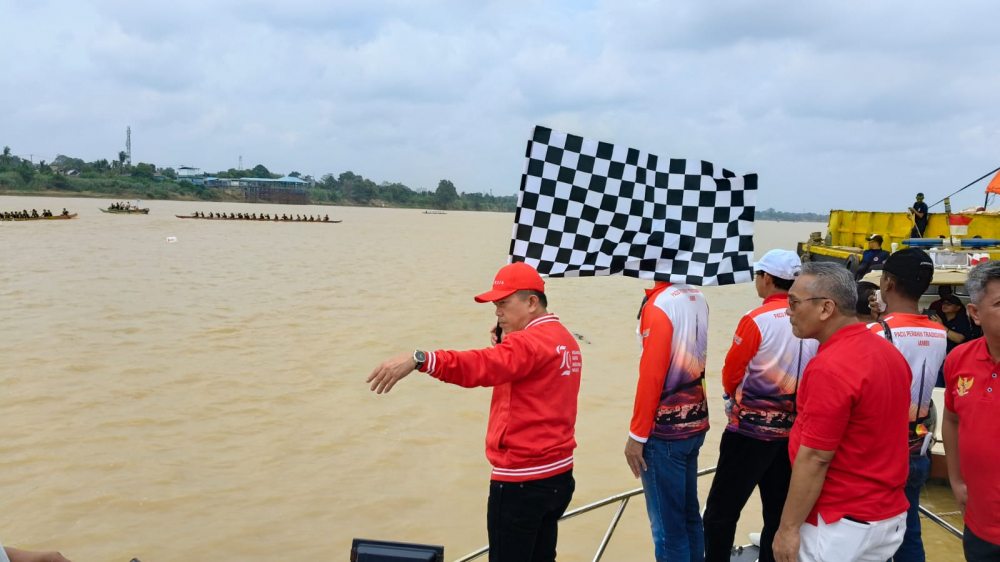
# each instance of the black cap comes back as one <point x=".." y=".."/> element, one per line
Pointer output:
<point x="920" y="195"/>
<point x="910" y="264"/>
<point x="952" y="299"/>
<point x="876" y="237"/>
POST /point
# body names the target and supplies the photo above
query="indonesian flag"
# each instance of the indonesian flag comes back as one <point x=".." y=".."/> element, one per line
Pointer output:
<point x="958" y="225"/>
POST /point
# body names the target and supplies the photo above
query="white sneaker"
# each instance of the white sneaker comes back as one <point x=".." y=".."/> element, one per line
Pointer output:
<point x="755" y="539"/>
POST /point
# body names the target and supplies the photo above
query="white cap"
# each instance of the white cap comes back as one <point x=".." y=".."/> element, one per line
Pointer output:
<point x="782" y="264"/>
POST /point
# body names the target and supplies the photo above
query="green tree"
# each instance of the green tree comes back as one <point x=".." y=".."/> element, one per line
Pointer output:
<point x="445" y="195"/>
<point x="144" y="170"/>
<point x="122" y="157"/>
<point x="43" y="168"/>
<point x="59" y="182"/>
<point x="169" y="173"/>
<point x="363" y="191"/>
<point x="396" y="193"/>
<point x="5" y="156"/>
<point x="27" y="171"/>
<point x="295" y="175"/>
<point x="259" y="171"/>
<point x="101" y="165"/>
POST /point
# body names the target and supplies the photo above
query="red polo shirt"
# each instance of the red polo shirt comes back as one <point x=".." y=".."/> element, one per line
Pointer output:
<point x="854" y="399"/>
<point x="971" y="387"/>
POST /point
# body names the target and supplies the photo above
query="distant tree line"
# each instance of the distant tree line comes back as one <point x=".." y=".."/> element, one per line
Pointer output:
<point x="118" y="179"/>
<point x="772" y="215"/>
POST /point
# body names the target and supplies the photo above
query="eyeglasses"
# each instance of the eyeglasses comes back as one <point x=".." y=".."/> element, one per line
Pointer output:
<point x="793" y="303"/>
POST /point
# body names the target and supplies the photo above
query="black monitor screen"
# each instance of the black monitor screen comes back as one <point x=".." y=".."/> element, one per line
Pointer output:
<point x="363" y="550"/>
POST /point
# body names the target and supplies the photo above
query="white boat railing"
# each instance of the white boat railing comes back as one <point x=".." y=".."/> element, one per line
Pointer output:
<point x="623" y="499"/>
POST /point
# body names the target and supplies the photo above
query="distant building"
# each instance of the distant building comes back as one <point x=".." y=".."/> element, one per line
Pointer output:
<point x="193" y="175"/>
<point x="287" y="190"/>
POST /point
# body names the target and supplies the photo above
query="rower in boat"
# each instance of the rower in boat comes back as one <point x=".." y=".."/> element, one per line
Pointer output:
<point x="326" y="218"/>
<point x="65" y="213"/>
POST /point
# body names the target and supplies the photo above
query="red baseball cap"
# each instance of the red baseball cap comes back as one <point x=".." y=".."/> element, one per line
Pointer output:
<point x="517" y="276"/>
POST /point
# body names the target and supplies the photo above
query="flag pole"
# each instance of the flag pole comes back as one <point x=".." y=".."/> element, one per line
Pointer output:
<point x="970" y="184"/>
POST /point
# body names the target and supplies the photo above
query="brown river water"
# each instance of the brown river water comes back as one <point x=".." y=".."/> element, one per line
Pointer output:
<point x="205" y="399"/>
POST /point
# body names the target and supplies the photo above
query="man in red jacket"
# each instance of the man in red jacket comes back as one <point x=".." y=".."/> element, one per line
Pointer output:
<point x="535" y="374"/>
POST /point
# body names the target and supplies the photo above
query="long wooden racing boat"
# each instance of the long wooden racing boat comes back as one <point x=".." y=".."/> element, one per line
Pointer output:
<point x="255" y="220"/>
<point x="56" y="218"/>
<point x="126" y="212"/>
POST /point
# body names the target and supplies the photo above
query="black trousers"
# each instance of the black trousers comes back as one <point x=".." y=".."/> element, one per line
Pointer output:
<point x="522" y="517"/>
<point x="744" y="464"/>
<point x="979" y="550"/>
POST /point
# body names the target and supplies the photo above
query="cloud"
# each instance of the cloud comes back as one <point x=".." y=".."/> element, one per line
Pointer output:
<point x="848" y="104"/>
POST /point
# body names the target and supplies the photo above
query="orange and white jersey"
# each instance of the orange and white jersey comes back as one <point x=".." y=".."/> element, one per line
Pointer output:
<point x="924" y="344"/>
<point x="762" y="371"/>
<point x="673" y="334"/>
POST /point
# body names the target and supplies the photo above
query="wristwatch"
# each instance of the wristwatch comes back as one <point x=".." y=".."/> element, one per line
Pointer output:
<point x="419" y="357"/>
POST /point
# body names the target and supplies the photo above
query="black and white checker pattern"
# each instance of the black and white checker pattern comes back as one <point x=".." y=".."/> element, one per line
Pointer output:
<point x="591" y="208"/>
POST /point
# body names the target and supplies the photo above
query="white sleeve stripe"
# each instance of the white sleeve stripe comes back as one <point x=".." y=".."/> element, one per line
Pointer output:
<point x="534" y="469"/>
<point x="637" y="438"/>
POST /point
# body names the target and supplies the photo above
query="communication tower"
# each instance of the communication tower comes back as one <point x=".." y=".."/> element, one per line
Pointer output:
<point x="128" y="144"/>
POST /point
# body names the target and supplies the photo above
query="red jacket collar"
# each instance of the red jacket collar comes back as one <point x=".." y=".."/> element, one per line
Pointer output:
<point x="660" y="286"/>
<point x="848" y="331"/>
<point x="541" y="319"/>
<point x="779" y="296"/>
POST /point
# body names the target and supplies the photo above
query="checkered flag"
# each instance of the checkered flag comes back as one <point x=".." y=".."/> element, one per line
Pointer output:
<point x="590" y="208"/>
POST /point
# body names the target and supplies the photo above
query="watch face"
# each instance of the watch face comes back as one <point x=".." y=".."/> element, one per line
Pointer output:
<point x="420" y="356"/>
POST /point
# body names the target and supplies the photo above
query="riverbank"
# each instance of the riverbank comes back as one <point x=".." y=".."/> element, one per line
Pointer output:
<point x="223" y="198"/>
<point x="126" y="196"/>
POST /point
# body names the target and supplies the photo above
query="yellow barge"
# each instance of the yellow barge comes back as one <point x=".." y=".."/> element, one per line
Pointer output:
<point x="847" y="234"/>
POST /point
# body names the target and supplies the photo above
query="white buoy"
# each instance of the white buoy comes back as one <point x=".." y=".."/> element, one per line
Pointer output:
<point x="171" y="239"/>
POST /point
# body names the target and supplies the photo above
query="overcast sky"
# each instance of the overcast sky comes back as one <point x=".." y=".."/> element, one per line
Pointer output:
<point x="846" y="104"/>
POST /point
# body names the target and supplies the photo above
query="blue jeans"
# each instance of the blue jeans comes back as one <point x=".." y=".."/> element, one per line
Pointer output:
<point x="671" y="484"/>
<point x="912" y="549"/>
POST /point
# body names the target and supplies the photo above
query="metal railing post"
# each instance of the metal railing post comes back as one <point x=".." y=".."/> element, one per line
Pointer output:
<point x="611" y="530"/>
<point x="626" y="496"/>
<point x="933" y="517"/>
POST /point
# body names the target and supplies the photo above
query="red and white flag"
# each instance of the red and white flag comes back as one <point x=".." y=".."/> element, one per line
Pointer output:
<point x="958" y="225"/>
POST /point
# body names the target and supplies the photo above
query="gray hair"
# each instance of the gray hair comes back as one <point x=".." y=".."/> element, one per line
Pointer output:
<point x="979" y="277"/>
<point x="835" y="282"/>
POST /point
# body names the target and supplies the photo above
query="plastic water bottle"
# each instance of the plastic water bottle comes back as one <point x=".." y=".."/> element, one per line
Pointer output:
<point x="894" y="246"/>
